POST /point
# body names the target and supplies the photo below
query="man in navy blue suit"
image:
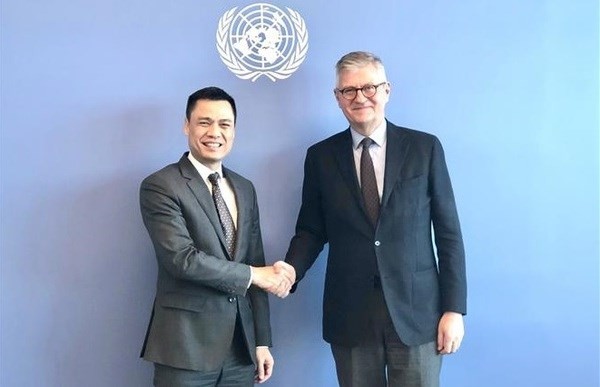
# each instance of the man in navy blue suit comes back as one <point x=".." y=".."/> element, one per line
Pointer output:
<point x="380" y="195"/>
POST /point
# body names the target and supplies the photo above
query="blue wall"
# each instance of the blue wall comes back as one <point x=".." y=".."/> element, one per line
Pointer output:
<point x="92" y="100"/>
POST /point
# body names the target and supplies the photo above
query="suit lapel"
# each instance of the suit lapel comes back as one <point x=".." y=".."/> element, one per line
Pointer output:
<point x="345" y="159"/>
<point x="395" y="154"/>
<point x="202" y="194"/>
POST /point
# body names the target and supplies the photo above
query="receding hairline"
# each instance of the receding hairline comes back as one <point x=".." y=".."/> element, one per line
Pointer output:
<point x="357" y="60"/>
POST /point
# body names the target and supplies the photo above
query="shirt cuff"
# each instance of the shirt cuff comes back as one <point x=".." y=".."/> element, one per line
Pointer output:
<point x="251" y="276"/>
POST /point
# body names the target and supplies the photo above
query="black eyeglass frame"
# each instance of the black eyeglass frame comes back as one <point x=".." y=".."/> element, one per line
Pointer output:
<point x="349" y="93"/>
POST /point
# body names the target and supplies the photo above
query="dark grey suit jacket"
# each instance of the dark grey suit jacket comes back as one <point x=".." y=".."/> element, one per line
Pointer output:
<point x="200" y="289"/>
<point x="417" y="195"/>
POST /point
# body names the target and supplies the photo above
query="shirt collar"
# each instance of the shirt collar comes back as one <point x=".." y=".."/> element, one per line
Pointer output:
<point x="378" y="136"/>
<point x="202" y="169"/>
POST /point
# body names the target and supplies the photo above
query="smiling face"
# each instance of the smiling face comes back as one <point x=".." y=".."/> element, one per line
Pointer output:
<point x="364" y="114"/>
<point x="210" y="130"/>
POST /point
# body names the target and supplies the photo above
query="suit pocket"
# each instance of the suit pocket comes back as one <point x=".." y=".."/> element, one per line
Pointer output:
<point x="407" y="199"/>
<point x="182" y="301"/>
<point x="412" y="183"/>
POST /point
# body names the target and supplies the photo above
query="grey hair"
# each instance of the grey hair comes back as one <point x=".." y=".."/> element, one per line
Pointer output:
<point x="358" y="59"/>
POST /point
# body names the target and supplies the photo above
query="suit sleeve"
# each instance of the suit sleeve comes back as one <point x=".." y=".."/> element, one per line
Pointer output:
<point x="310" y="236"/>
<point x="258" y="297"/>
<point x="175" y="250"/>
<point x="448" y="237"/>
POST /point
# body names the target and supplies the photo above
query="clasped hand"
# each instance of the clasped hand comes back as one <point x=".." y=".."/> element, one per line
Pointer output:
<point x="276" y="279"/>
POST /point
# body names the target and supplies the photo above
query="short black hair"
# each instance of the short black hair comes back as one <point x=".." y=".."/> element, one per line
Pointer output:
<point x="211" y="93"/>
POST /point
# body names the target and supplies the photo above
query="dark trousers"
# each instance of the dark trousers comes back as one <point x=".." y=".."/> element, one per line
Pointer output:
<point x="381" y="359"/>
<point x="237" y="370"/>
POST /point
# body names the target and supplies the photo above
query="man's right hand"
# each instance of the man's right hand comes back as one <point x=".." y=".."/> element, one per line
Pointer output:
<point x="277" y="279"/>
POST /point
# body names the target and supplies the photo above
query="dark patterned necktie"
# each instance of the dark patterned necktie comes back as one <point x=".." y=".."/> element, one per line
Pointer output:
<point x="224" y="215"/>
<point x="368" y="182"/>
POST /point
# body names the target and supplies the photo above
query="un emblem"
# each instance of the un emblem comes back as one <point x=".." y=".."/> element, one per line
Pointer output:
<point x="261" y="39"/>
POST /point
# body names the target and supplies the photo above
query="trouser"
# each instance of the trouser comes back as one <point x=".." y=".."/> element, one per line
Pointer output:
<point x="381" y="359"/>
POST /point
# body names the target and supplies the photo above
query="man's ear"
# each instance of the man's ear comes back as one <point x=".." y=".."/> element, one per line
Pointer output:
<point x="186" y="127"/>
<point x="337" y="98"/>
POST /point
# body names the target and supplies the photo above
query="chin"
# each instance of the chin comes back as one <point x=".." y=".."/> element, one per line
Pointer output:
<point x="363" y="119"/>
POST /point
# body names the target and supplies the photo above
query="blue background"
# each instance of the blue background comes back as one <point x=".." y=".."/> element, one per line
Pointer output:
<point x="92" y="100"/>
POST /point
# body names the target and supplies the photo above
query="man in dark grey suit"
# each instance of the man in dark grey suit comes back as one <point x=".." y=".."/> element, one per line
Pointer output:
<point x="210" y="322"/>
<point x="374" y="192"/>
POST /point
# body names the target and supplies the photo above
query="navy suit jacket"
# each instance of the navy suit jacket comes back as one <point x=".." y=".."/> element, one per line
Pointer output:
<point x="201" y="290"/>
<point x="417" y="197"/>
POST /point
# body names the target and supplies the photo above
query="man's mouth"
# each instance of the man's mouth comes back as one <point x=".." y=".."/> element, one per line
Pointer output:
<point x="213" y="145"/>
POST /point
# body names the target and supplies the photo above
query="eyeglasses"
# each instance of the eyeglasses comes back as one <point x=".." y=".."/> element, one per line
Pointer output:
<point x="368" y="91"/>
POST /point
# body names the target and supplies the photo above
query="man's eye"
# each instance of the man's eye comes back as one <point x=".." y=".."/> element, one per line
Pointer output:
<point x="369" y="89"/>
<point x="204" y="123"/>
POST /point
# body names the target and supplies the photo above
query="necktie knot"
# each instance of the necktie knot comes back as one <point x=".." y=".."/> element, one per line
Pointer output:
<point x="366" y="143"/>
<point x="214" y="178"/>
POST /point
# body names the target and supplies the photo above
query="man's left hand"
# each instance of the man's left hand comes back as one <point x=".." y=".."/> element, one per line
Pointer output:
<point x="265" y="363"/>
<point x="451" y="331"/>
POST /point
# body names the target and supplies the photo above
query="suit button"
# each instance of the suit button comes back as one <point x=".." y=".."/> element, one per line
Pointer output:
<point x="231" y="299"/>
<point x="377" y="243"/>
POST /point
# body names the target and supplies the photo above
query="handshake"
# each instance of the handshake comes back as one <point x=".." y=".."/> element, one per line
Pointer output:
<point x="276" y="279"/>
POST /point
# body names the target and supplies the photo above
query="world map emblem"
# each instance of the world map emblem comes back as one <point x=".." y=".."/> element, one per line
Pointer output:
<point x="262" y="39"/>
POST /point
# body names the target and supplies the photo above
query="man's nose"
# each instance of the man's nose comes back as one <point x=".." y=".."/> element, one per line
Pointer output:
<point x="213" y="131"/>
<point x="360" y="97"/>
